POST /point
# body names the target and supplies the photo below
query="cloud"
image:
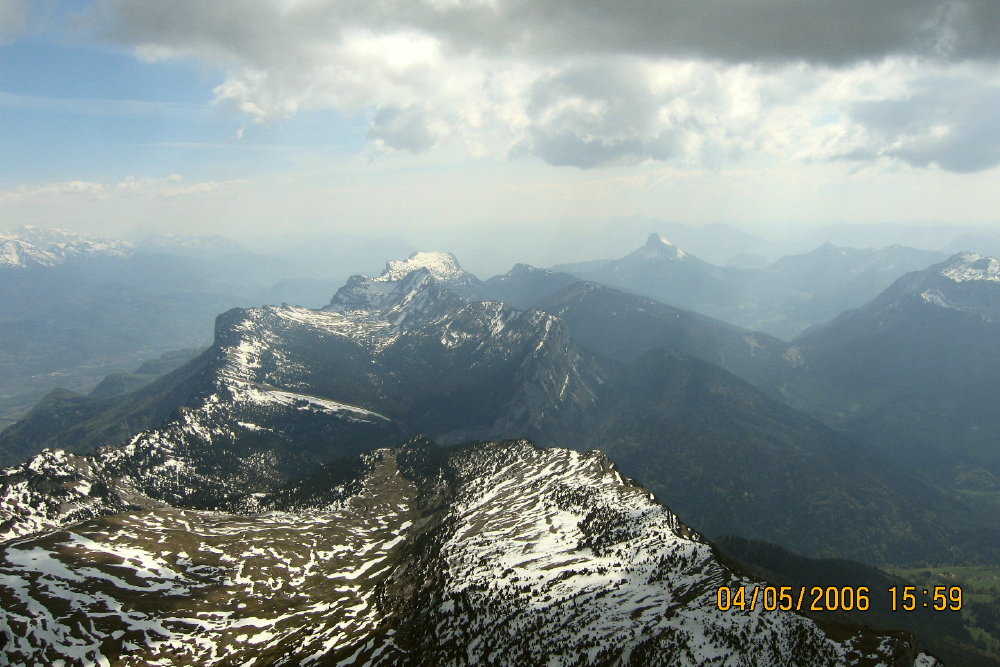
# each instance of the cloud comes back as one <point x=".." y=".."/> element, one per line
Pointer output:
<point x="950" y="122"/>
<point x="170" y="186"/>
<point x="587" y="84"/>
<point x="831" y="33"/>
<point x="13" y="19"/>
<point x="71" y="188"/>
<point x="405" y="129"/>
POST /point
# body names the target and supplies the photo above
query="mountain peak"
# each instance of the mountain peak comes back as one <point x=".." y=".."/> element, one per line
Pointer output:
<point x="656" y="240"/>
<point x="405" y="283"/>
<point x="441" y="265"/>
<point x="970" y="266"/>
<point x="659" y="246"/>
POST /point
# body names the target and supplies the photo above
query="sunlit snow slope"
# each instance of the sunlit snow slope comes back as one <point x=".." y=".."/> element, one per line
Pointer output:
<point x="500" y="553"/>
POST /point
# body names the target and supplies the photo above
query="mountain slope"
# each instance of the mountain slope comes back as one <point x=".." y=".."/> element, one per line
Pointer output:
<point x="524" y="286"/>
<point x="799" y="291"/>
<point x="739" y="462"/>
<point x="662" y="271"/>
<point x="499" y="552"/>
<point x="625" y="326"/>
<point x="76" y="422"/>
<point x="914" y="370"/>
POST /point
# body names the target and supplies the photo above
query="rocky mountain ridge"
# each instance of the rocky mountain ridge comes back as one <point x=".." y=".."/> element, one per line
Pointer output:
<point x="498" y="552"/>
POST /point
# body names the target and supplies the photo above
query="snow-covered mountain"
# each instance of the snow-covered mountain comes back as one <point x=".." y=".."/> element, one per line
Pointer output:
<point x="442" y="265"/>
<point x="284" y="388"/>
<point x="971" y="266"/>
<point x="30" y="246"/>
<point x="413" y="294"/>
<point x="496" y="553"/>
<point x="366" y="293"/>
<point x="255" y="514"/>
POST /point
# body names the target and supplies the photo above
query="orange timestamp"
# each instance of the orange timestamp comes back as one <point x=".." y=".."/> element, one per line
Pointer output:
<point x="937" y="598"/>
<point x="834" y="598"/>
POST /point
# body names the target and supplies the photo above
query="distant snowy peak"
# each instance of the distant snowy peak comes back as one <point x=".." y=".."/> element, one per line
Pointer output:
<point x="659" y="247"/>
<point x="417" y="288"/>
<point x="18" y="254"/>
<point x="415" y="296"/>
<point x="970" y="266"/>
<point x="31" y="246"/>
<point x="441" y="265"/>
<point x="967" y="283"/>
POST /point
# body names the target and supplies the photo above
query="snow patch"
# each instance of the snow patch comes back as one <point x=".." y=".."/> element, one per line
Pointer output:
<point x="970" y="266"/>
<point x="442" y="265"/>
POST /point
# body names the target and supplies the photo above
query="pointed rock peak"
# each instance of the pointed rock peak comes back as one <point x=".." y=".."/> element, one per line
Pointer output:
<point x="441" y="265"/>
<point x="970" y="266"/>
<point x="659" y="246"/>
<point x="658" y="240"/>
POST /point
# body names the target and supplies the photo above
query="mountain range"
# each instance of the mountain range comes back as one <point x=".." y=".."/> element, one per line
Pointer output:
<point x="405" y="353"/>
<point x="32" y="246"/>
<point x="288" y="428"/>
<point x="907" y="371"/>
<point x="783" y="298"/>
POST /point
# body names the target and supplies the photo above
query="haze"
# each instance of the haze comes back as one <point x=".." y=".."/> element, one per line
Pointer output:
<point x="503" y="131"/>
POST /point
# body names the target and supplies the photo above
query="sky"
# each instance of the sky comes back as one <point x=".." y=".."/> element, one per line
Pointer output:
<point x="491" y="119"/>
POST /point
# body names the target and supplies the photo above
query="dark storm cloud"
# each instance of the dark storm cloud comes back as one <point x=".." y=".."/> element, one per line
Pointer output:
<point x="818" y="31"/>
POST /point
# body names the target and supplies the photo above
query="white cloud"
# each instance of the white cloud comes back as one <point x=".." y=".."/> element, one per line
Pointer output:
<point x="170" y="186"/>
<point x="694" y="85"/>
<point x="70" y="188"/>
